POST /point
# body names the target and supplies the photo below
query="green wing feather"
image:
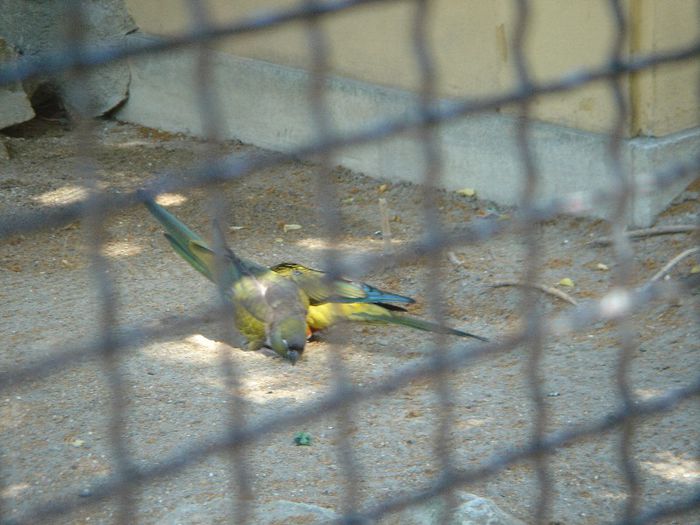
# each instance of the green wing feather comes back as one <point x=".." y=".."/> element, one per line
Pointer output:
<point x="320" y="290"/>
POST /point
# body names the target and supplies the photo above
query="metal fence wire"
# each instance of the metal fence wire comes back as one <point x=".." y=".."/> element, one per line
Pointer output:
<point x="623" y="300"/>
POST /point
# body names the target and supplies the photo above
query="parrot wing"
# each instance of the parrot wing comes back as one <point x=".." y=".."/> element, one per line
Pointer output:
<point x="253" y="286"/>
<point x="267" y="306"/>
<point x="323" y="316"/>
<point x="320" y="289"/>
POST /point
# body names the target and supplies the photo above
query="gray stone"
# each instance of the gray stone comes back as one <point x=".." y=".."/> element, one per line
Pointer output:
<point x="14" y="102"/>
<point x="469" y="510"/>
<point x="37" y="27"/>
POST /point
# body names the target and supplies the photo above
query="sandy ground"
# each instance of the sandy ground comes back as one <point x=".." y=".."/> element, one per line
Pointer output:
<point x="55" y="431"/>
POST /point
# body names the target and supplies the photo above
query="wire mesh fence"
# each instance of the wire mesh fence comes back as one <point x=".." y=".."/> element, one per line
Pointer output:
<point x="619" y="305"/>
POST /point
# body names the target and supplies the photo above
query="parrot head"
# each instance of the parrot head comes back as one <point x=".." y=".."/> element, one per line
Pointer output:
<point x="288" y="337"/>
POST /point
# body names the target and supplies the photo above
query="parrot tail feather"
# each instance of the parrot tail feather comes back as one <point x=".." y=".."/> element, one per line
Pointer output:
<point x="413" y="322"/>
<point x="179" y="236"/>
<point x="181" y="233"/>
<point x="186" y="253"/>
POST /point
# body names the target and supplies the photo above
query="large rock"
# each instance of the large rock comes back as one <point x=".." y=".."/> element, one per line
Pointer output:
<point x="469" y="510"/>
<point x="14" y="102"/>
<point x="37" y="27"/>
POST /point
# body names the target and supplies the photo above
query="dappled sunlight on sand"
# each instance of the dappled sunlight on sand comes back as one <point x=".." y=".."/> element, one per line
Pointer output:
<point x="674" y="468"/>
<point x="203" y="342"/>
<point x="645" y="394"/>
<point x="319" y="243"/>
<point x="352" y="252"/>
<point x="315" y="243"/>
<point x="171" y="199"/>
<point x="134" y="143"/>
<point x="263" y="376"/>
<point x="14" y="490"/>
<point x="61" y="196"/>
<point x="120" y="249"/>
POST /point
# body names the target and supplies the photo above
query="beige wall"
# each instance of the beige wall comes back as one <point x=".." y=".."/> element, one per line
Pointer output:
<point x="665" y="99"/>
<point x="471" y="42"/>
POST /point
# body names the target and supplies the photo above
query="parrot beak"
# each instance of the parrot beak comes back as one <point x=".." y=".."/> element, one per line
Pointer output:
<point x="293" y="356"/>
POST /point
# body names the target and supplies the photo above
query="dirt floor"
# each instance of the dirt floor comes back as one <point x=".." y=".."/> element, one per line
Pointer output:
<point x="55" y="431"/>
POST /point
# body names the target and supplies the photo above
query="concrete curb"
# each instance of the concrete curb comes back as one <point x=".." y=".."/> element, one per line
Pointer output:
<point x="267" y="105"/>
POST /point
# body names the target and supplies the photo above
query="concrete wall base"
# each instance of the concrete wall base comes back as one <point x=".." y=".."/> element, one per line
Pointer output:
<point x="268" y="105"/>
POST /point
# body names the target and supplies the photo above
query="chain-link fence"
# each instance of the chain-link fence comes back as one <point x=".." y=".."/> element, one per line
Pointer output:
<point x="620" y="304"/>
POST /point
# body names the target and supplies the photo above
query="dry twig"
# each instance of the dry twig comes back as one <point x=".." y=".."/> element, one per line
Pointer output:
<point x="386" y="228"/>
<point x="541" y="287"/>
<point x="670" y="264"/>
<point x="648" y="232"/>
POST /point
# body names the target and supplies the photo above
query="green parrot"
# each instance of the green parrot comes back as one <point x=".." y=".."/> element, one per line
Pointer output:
<point x="269" y="309"/>
<point x="344" y="300"/>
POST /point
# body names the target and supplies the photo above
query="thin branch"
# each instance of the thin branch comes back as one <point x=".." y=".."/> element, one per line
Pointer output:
<point x="673" y="262"/>
<point x="386" y="227"/>
<point x="541" y="287"/>
<point x="648" y="232"/>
